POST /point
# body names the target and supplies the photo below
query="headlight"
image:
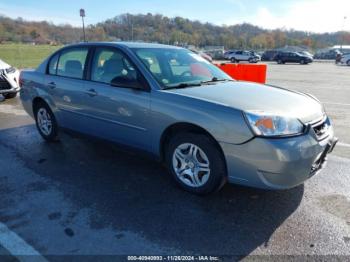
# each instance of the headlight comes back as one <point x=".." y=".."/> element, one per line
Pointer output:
<point x="266" y="124"/>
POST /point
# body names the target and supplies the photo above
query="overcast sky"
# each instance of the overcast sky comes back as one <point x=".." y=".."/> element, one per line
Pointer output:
<point x="308" y="15"/>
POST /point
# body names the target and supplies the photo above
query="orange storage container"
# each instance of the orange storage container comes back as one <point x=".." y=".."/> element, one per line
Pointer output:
<point x="246" y="72"/>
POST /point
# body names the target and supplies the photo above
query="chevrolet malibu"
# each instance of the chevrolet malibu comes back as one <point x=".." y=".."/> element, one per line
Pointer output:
<point x="171" y="103"/>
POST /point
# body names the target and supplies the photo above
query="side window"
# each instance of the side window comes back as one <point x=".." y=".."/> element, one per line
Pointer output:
<point x="71" y="62"/>
<point x="53" y="65"/>
<point x="110" y="63"/>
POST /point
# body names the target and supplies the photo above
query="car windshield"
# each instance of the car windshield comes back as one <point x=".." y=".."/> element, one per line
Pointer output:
<point x="179" y="68"/>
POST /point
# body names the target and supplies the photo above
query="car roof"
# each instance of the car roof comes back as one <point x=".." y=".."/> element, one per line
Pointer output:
<point x="126" y="44"/>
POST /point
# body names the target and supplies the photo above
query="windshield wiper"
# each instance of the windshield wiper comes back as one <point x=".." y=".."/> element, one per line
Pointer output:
<point x="215" y="79"/>
<point x="182" y="85"/>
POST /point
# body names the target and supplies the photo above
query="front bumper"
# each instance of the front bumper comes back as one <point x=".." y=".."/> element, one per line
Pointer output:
<point x="279" y="163"/>
<point x="9" y="81"/>
<point x="11" y="90"/>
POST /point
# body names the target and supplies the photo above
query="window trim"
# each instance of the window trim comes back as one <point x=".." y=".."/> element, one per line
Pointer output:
<point x="143" y="80"/>
<point x="49" y="62"/>
<point x="67" y="49"/>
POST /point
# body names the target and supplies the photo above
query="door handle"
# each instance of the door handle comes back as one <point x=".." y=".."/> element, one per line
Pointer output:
<point x="91" y="92"/>
<point x="52" y="85"/>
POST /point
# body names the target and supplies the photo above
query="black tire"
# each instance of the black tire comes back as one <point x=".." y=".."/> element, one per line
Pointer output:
<point x="348" y="63"/>
<point x="10" y="95"/>
<point x="53" y="135"/>
<point x="218" y="174"/>
<point x="302" y="62"/>
<point x="279" y="61"/>
<point x="233" y="60"/>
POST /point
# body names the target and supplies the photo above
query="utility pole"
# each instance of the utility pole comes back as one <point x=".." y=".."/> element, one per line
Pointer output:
<point x="343" y="33"/>
<point x="132" y="31"/>
<point x="82" y="14"/>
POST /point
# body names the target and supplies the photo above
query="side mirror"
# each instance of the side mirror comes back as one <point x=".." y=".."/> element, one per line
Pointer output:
<point x="123" y="81"/>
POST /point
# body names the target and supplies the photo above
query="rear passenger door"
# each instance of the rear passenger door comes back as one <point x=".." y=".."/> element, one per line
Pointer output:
<point x="64" y="82"/>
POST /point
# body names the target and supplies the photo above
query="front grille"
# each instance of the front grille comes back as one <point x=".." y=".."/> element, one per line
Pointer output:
<point x="321" y="128"/>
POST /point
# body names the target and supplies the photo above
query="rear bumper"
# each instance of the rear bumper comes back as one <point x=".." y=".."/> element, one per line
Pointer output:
<point x="277" y="163"/>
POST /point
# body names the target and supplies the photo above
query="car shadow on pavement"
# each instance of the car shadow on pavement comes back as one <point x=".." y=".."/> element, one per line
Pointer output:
<point x="129" y="192"/>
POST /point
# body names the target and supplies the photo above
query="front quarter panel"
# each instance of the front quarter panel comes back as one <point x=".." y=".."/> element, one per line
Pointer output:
<point x="225" y="124"/>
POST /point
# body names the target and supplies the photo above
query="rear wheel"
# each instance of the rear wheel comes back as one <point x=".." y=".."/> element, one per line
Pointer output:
<point x="196" y="163"/>
<point x="279" y="61"/>
<point x="10" y="95"/>
<point x="348" y="62"/>
<point x="46" y="122"/>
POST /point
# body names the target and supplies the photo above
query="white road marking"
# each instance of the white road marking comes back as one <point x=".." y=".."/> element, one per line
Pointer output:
<point x="343" y="144"/>
<point x="338" y="104"/>
<point x="17" y="246"/>
<point x="9" y="109"/>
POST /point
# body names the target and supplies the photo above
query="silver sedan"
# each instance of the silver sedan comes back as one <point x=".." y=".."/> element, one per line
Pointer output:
<point x="173" y="104"/>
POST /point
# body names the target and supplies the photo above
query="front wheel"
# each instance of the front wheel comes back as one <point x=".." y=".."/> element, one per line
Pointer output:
<point x="46" y="122"/>
<point x="233" y="60"/>
<point x="348" y="63"/>
<point x="196" y="163"/>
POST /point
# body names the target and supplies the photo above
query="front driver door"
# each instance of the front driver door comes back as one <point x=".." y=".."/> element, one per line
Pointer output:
<point x="116" y="113"/>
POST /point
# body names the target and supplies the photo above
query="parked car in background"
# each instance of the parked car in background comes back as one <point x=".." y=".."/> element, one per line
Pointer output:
<point x="228" y="53"/>
<point x="9" y="78"/>
<point x="329" y="54"/>
<point x="292" y="57"/>
<point x="175" y="105"/>
<point x="345" y="59"/>
<point x="206" y="56"/>
<point x="202" y="54"/>
<point x="269" y="55"/>
<point x="306" y="53"/>
<point x="250" y="56"/>
<point x="215" y="54"/>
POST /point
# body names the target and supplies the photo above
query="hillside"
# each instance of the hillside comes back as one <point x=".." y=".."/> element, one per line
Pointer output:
<point x="158" y="28"/>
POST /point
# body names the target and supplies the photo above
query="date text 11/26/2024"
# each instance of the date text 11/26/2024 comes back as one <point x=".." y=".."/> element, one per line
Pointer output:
<point x="173" y="258"/>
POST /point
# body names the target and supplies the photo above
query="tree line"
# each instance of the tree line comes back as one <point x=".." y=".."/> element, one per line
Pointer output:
<point x="162" y="29"/>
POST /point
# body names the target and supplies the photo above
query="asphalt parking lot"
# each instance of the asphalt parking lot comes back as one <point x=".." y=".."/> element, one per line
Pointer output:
<point x="83" y="197"/>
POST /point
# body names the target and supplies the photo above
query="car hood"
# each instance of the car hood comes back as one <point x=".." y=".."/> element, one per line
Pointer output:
<point x="4" y="65"/>
<point x="247" y="96"/>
